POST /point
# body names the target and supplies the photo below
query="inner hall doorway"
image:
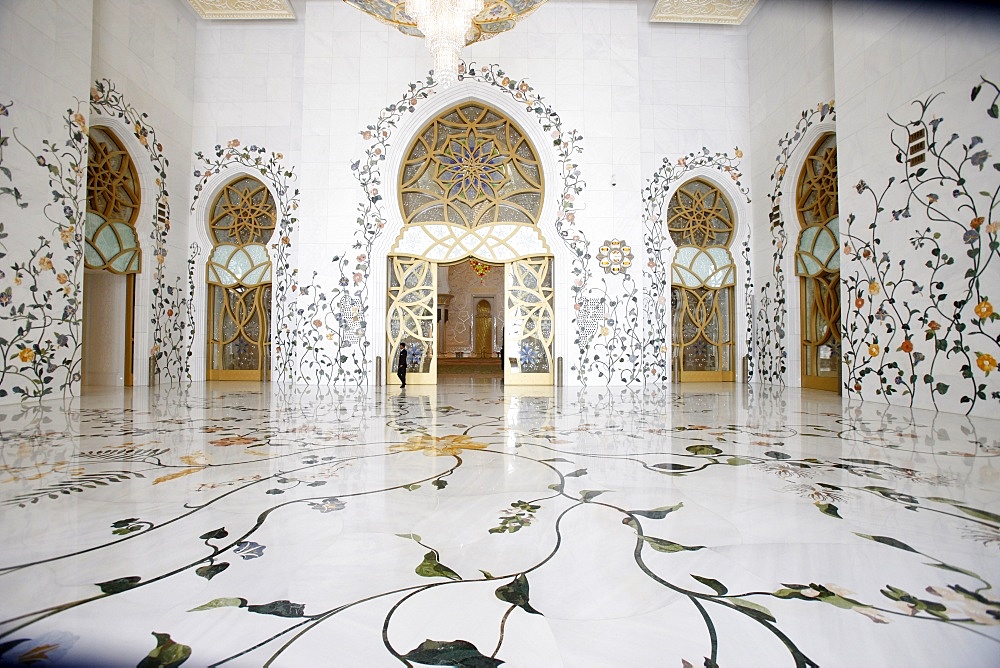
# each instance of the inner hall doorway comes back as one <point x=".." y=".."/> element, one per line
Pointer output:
<point x="471" y="317"/>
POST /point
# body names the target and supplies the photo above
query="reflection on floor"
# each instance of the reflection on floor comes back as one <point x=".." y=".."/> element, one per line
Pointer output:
<point x="469" y="366"/>
<point x="472" y="525"/>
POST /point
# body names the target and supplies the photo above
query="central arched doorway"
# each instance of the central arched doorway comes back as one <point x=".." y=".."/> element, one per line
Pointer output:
<point x="471" y="190"/>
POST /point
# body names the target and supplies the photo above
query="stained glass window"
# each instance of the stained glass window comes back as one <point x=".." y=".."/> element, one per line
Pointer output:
<point x="471" y="166"/>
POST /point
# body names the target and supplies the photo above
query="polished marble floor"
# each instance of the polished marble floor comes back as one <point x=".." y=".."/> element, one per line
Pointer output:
<point x="472" y="524"/>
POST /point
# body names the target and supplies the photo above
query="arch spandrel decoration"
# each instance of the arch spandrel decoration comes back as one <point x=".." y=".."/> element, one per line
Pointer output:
<point x="817" y="263"/>
<point x="703" y="276"/>
<point x="242" y="220"/>
<point x="113" y="200"/>
<point x="444" y="243"/>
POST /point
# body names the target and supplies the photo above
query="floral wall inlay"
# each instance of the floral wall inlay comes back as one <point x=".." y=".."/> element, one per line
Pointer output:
<point x="39" y="307"/>
<point x="920" y="320"/>
<point x="771" y="314"/>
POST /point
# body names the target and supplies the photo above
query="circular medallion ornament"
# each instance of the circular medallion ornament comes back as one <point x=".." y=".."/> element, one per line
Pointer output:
<point x="615" y="256"/>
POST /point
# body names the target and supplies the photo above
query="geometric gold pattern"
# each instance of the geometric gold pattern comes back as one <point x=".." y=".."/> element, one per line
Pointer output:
<point x="817" y="263"/>
<point x="241" y="220"/>
<point x="410" y="317"/>
<point x="471" y="167"/>
<point x="703" y="277"/>
<point x="699" y="215"/>
<point x="529" y="322"/>
<point x="445" y="243"/>
<point x="113" y="200"/>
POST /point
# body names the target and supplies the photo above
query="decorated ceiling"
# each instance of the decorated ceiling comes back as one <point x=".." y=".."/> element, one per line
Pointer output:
<point x="497" y="16"/>
<point x="243" y="9"/>
<point x="702" y="11"/>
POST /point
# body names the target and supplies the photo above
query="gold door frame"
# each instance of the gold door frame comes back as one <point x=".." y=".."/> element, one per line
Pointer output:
<point x="701" y="223"/>
<point x="529" y="322"/>
<point x="702" y="308"/>
<point x="817" y="264"/>
<point x="239" y="304"/>
<point x="411" y="318"/>
<point x="111" y="243"/>
<point x="482" y="345"/>
<point x="238" y="274"/>
<point x="470" y="186"/>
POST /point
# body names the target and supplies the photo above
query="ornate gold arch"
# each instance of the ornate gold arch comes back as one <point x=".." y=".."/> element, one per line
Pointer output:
<point x="471" y="166"/>
<point x="113" y="200"/>
<point x="700" y="221"/>
<point x="241" y="221"/>
<point x="817" y="264"/>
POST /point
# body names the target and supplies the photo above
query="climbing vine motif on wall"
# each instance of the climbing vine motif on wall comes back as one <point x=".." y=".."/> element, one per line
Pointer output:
<point x="316" y="328"/>
<point x="40" y="303"/>
<point x="659" y="247"/>
<point x="772" y="312"/>
<point x="172" y="340"/>
<point x="750" y="301"/>
<point x="923" y="325"/>
<point x="566" y="142"/>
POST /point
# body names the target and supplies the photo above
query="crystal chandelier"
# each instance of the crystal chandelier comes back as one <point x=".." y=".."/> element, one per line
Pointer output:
<point x="446" y="25"/>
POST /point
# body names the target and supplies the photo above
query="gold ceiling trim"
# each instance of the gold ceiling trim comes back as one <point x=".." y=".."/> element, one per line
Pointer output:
<point x="243" y="9"/>
<point x="727" y="12"/>
<point x="497" y="16"/>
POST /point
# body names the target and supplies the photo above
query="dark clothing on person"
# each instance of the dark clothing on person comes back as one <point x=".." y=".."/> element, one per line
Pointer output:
<point x="401" y="367"/>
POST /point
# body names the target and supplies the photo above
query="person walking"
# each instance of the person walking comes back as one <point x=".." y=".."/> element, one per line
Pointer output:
<point x="401" y="365"/>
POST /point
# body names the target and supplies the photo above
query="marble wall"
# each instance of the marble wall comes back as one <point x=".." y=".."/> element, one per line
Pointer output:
<point x="621" y="112"/>
<point x="42" y="162"/>
<point x="919" y="181"/>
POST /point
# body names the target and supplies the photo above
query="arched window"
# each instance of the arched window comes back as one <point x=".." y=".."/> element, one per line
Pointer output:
<point x="112" y="257"/>
<point x="703" y="277"/>
<point x="471" y="166"/>
<point x="242" y="220"/>
<point x="817" y="264"/>
<point x="112" y="206"/>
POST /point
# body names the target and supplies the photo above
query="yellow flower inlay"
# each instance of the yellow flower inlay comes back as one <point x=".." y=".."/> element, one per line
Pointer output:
<point x="435" y="446"/>
<point x="984" y="309"/>
<point x="986" y="362"/>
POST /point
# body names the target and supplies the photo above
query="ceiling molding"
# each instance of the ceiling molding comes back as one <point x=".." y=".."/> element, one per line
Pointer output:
<point x="727" y="12"/>
<point x="243" y="9"/>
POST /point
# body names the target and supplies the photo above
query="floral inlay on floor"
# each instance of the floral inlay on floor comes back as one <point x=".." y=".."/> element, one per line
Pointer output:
<point x="470" y="524"/>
